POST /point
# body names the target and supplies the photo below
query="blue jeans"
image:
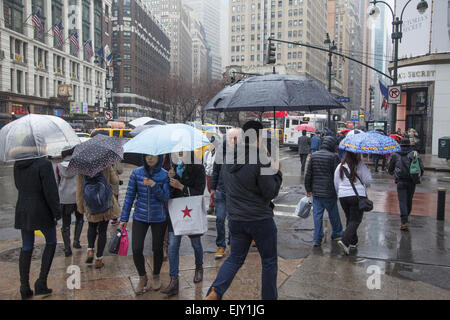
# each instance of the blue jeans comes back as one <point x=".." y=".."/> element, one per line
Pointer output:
<point x="221" y="215"/>
<point x="319" y="206"/>
<point x="28" y="238"/>
<point x="174" y="252"/>
<point x="264" y="232"/>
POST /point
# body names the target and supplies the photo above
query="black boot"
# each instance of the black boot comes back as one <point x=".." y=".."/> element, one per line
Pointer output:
<point x="172" y="289"/>
<point x="65" y="232"/>
<point x="40" y="286"/>
<point x="24" y="270"/>
<point x="198" y="274"/>
<point x="76" y="237"/>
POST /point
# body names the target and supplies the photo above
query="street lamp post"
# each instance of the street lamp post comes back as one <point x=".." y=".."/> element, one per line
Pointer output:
<point x="108" y="85"/>
<point x="331" y="47"/>
<point x="397" y="34"/>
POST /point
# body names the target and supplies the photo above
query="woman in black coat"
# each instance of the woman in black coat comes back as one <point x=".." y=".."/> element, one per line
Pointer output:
<point x="186" y="179"/>
<point x="37" y="208"/>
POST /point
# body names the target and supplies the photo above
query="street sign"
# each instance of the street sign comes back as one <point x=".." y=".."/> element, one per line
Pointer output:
<point x="395" y="94"/>
<point x="108" y="94"/>
<point x="108" y="115"/>
<point x="343" y="99"/>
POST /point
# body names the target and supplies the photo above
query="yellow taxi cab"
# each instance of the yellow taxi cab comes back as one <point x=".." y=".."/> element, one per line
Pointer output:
<point x="120" y="133"/>
<point x="278" y="133"/>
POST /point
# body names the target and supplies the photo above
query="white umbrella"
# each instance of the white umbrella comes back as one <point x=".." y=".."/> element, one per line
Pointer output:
<point x="34" y="136"/>
<point x="356" y="131"/>
<point x="145" y="121"/>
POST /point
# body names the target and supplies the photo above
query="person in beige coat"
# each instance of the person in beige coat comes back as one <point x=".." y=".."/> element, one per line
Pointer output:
<point x="98" y="223"/>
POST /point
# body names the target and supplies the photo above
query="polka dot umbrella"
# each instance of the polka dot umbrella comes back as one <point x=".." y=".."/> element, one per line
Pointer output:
<point x="96" y="154"/>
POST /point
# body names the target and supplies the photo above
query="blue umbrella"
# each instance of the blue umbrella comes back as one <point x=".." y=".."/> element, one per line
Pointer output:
<point x="167" y="139"/>
<point x="369" y="142"/>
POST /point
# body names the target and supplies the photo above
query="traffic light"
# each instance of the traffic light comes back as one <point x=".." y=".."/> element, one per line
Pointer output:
<point x="271" y="58"/>
<point x="306" y="119"/>
<point x="336" y="117"/>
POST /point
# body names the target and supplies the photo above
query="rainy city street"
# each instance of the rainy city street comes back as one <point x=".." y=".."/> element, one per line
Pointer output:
<point x="412" y="265"/>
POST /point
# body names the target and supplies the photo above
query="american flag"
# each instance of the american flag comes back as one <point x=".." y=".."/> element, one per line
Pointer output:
<point x="58" y="30"/>
<point x="37" y="21"/>
<point x="74" y="40"/>
<point x="384" y="92"/>
<point x="89" y="50"/>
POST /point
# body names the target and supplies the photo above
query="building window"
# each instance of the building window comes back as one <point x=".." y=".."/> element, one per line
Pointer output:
<point x="127" y="89"/>
<point x="15" y="15"/>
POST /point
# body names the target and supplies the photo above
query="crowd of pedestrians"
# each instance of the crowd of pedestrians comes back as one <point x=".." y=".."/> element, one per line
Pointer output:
<point x="240" y="193"/>
<point x="333" y="174"/>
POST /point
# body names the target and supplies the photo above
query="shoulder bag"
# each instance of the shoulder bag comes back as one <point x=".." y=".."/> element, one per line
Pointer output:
<point x="364" y="203"/>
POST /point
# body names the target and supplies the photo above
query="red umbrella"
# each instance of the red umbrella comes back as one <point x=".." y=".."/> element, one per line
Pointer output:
<point x="345" y="130"/>
<point x="306" y="127"/>
<point x="396" y="137"/>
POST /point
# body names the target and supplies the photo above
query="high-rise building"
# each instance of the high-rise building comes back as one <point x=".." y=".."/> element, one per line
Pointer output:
<point x="201" y="51"/>
<point x="251" y="22"/>
<point x="175" y="18"/>
<point x="347" y="30"/>
<point x="41" y="74"/>
<point x="208" y="13"/>
<point x="144" y="48"/>
<point x="381" y="57"/>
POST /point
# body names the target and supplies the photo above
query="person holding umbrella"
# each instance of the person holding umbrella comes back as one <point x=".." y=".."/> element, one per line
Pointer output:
<point x="149" y="185"/>
<point x="351" y="173"/>
<point x="37" y="208"/>
<point x="304" y="148"/>
<point x="186" y="179"/>
<point x="93" y="161"/>
<point x="26" y="142"/>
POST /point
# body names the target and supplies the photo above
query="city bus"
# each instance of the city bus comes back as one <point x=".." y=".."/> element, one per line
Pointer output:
<point x="291" y="135"/>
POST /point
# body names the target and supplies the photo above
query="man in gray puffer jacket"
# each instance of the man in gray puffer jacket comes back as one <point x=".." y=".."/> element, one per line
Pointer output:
<point x="67" y="187"/>
<point x="319" y="183"/>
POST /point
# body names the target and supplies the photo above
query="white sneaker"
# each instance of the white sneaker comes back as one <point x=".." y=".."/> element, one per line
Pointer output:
<point x="344" y="247"/>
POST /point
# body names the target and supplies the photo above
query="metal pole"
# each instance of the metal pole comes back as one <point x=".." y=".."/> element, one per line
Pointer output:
<point x="330" y="64"/>
<point x="396" y="36"/>
<point x="441" y="204"/>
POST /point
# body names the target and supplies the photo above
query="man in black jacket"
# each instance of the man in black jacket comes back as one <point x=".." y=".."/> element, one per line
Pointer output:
<point x="319" y="183"/>
<point x="250" y="187"/>
<point x="406" y="183"/>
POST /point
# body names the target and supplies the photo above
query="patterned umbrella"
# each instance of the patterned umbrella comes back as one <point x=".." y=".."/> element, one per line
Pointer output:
<point x="372" y="143"/>
<point x="93" y="156"/>
<point x="306" y="127"/>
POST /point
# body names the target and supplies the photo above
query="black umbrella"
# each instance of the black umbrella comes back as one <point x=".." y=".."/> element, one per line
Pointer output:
<point x="96" y="154"/>
<point x="274" y="92"/>
<point x="133" y="158"/>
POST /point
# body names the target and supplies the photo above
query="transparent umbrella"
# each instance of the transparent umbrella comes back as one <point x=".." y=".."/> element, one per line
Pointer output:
<point x="35" y="136"/>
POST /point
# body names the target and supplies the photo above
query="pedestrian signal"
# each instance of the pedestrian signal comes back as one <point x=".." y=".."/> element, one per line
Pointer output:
<point x="306" y="119"/>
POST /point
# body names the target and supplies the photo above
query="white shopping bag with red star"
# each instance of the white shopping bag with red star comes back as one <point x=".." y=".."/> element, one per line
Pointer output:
<point x="188" y="216"/>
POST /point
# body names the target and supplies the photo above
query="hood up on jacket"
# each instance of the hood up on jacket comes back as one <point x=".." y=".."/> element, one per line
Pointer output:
<point x="405" y="150"/>
<point x="329" y="143"/>
<point x="22" y="164"/>
<point x="154" y="170"/>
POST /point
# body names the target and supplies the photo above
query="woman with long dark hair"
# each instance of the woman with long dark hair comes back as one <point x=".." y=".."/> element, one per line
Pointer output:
<point x="351" y="170"/>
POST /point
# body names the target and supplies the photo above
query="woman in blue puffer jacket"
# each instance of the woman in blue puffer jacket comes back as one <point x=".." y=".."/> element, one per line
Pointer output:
<point x="150" y="184"/>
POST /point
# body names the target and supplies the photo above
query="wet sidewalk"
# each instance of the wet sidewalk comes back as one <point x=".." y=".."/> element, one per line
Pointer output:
<point x="118" y="278"/>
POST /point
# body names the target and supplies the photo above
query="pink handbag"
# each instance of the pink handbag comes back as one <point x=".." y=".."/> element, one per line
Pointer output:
<point x="123" y="250"/>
